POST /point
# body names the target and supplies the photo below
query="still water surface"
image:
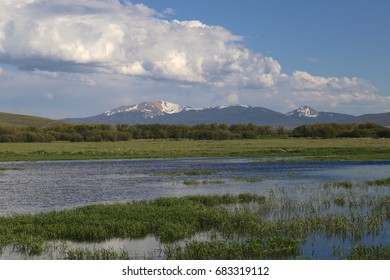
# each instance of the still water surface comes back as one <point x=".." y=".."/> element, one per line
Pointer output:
<point x="32" y="187"/>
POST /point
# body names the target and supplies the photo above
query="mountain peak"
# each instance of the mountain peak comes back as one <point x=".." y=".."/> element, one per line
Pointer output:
<point x="148" y="109"/>
<point x="304" y="111"/>
<point x="164" y="112"/>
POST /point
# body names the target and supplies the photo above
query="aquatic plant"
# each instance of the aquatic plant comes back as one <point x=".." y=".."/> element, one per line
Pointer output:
<point x="97" y="254"/>
<point x="248" y="180"/>
<point x="10" y="168"/>
<point x="344" y="184"/>
<point x="189" y="173"/>
<point x="29" y="245"/>
<point x="379" y="182"/>
<point x="203" y="182"/>
<point x="340" y="201"/>
<point x="239" y="226"/>
<point x="254" y="248"/>
<point x="373" y="252"/>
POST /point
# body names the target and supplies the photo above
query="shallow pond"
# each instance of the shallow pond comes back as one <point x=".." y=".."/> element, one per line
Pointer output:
<point x="32" y="187"/>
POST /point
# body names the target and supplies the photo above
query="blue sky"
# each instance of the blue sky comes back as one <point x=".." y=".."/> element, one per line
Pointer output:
<point x="83" y="57"/>
<point x="323" y="37"/>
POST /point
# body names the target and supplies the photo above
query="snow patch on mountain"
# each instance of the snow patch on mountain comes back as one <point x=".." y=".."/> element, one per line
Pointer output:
<point x="304" y="111"/>
<point x="152" y="109"/>
<point x="228" y="106"/>
<point x="169" y="108"/>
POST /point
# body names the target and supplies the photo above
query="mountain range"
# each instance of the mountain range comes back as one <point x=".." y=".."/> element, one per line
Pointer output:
<point x="164" y="112"/>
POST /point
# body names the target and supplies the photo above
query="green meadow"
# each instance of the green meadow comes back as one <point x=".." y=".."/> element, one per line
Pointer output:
<point x="302" y="148"/>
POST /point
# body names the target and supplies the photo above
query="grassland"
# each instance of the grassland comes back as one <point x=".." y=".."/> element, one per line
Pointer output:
<point x="308" y="149"/>
<point x="7" y="119"/>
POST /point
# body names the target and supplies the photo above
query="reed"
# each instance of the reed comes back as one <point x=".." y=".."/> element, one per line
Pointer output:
<point x="97" y="254"/>
<point x="374" y="252"/>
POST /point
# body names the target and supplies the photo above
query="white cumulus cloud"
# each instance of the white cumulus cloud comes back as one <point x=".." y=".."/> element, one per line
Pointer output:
<point x="85" y="38"/>
<point x="106" y="36"/>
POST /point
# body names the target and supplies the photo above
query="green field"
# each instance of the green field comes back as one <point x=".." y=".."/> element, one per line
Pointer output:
<point x="309" y="149"/>
<point x="15" y="120"/>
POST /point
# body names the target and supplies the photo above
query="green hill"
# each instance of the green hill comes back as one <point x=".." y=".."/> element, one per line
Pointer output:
<point x="7" y="119"/>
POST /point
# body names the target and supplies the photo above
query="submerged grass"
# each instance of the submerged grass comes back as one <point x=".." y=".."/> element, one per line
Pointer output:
<point x="248" y="180"/>
<point x="254" y="248"/>
<point x="374" y="252"/>
<point x="203" y="182"/>
<point x="344" y="184"/>
<point x="379" y="182"/>
<point x="97" y="254"/>
<point x="188" y="173"/>
<point x="10" y="168"/>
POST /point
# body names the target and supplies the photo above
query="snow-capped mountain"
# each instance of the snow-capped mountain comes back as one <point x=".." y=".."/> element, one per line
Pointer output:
<point x="149" y="109"/>
<point x="164" y="112"/>
<point x="170" y="113"/>
<point x="306" y="114"/>
<point x="153" y="109"/>
<point x="304" y="111"/>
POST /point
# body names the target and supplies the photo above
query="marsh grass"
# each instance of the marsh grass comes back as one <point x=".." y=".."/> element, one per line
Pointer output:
<point x="340" y="201"/>
<point x="10" y="168"/>
<point x="188" y="173"/>
<point x="344" y="184"/>
<point x="254" y="248"/>
<point x="374" y="252"/>
<point x="379" y="182"/>
<point x="248" y="180"/>
<point x="29" y="245"/>
<point x="97" y="254"/>
<point x="2" y="169"/>
<point x="244" y="226"/>
<point x="204" y="182"/>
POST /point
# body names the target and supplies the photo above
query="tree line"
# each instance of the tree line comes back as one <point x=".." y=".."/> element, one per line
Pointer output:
<point x="333" y="130"/>
<point x="124" y="132"/>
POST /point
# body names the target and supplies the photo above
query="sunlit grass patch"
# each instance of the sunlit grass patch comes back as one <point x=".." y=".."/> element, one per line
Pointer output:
<point x="307" y="149"/>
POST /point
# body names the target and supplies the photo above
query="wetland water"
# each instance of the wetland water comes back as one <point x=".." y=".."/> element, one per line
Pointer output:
<point x="33" y="187"/>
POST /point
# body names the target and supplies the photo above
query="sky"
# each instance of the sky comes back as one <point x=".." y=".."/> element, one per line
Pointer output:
<point x="78" y="58"/>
